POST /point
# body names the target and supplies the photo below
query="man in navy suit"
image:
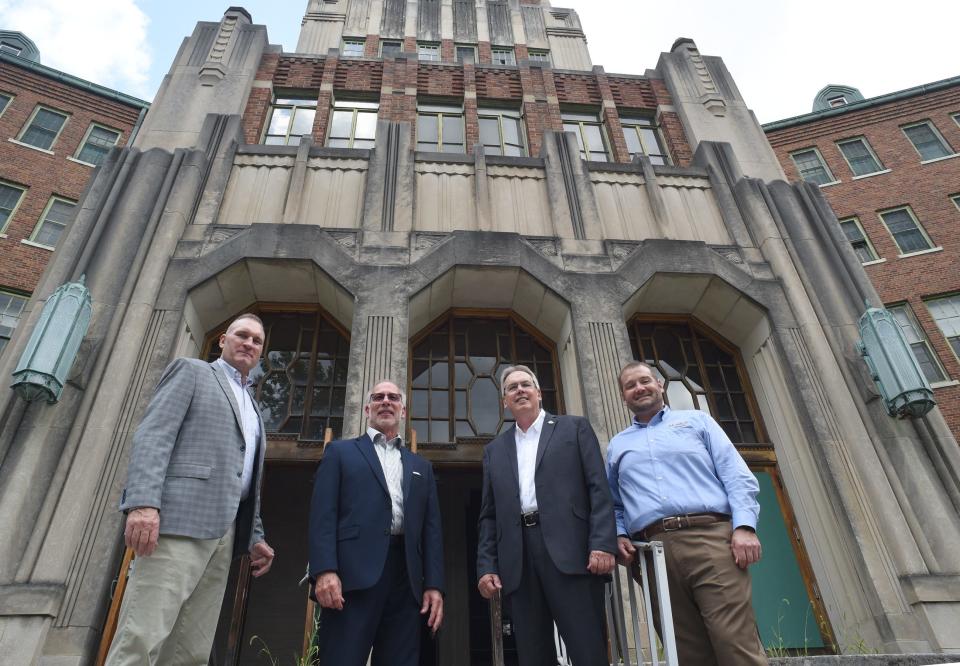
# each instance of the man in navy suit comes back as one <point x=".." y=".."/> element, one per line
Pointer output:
<point x="376" y="550"/>
<point x="547" y="532"/>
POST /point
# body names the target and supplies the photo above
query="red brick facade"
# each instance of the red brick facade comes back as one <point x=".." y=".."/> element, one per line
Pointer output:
<point x="44" y="175"/>
<point x="927" y="188"/>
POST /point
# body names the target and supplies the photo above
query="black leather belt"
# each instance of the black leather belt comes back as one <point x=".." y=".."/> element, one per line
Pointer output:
<point x="530" y="518"/>
<point x="674" y="523"/>
<point x="396" y="540"/>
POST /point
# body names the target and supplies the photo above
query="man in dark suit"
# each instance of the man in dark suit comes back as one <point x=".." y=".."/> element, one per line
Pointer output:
<point x="376" y="550"/>
<point x="192" y="500"/>
<point x="547" y="532"/>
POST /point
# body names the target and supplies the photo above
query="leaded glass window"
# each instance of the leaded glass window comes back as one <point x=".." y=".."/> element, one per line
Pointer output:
<point x="455" y="376"/>
<point x="698" y="372"/>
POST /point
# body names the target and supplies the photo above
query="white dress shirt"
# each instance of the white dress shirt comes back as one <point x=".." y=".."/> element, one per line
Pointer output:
<point x="388" y="451"/>
<point x="527" y="444"/>
<point x="250" y="420"/>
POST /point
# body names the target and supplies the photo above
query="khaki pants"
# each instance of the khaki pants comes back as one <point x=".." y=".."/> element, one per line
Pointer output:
<point x="710" y="597"/>
<point x="172" y="603"/>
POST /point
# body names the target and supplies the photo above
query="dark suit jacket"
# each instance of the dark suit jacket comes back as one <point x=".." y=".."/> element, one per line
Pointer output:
<point x="351" y="513"/>
<point x="573" y="497"/>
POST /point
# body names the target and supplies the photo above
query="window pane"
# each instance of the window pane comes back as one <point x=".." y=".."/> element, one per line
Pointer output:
<point x="860" y="158"/>
<point x="926" y="141"/>
<point x="279" y="121"/>
<point x="341" y="124"/>
<point x="366" y="125"/>
<point x="511" y="130"/>
<point x="918" y="344"/>
<point x="466" y="54"/>
<point x="302" y="122"/>
<point x="389" y="49"/>
<point x="905" y="231"/>
<point x="490" y="132"/>
<point x="633" y="140"/>
<point x="4" y="100"/>
<point x="43" y="129"/>
<point x="52" y="225"/>
<point x="453" y="129"/>
<point x="11" y="307"/>
<point x="427" y="131"/>
<point x="946" y="312"/>
<point x="811" y="168"/>
<point x="98" y="144"/>
<point x="9" y="198"/>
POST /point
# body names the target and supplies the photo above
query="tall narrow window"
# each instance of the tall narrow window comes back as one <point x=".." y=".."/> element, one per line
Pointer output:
<point x="858" y="239"/>
<point x="428" y="52"/>
<point x="352" y="48"/>
<point x="918" y="342"/>
<point x="502" y="56"/>
<point x="440" y="128"/>
<point x="353" y="124"/>
<point x="290" y="118"/>
<point x="97" y="144"/>
<point x="590" y="135"/>
<point x="859" y="156"/>
<point x="643" y="138"/>
<point x="10" y="196"/>
<point x="11" y="307"/>
<point x="811" y="167"/>
<point x="927" y="140"/>
<point x="53" y="222"/>
<point x="907" y="232"/>
<point x="946" y="312"/>
<point x="501" y="132"/>
<point x="455" y="376"/>
<point x="43" y="128"/>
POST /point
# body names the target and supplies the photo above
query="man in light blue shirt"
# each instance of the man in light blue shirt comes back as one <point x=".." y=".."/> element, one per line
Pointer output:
<point x="676" y="477"/>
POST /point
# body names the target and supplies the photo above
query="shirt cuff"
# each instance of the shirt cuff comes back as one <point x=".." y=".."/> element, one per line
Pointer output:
<point x="744" y="519"/>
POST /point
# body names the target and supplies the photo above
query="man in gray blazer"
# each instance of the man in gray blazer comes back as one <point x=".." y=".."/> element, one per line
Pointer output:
<point x="192" y="502"/>
<point x="547" y="532"/>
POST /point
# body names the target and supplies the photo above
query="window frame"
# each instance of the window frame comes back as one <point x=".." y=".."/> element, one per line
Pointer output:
<point x="823" y="163"/>
<point x="440" y="111"/>
<point x="357" y="106"/>
<point x="504" y="50"/>
<point x="544" y="59"/>
<point x="456" y="53"/>
<point x="27" y="125"/>
<point x="916" y="221"/>
<point x="13" y="211"/>
<point x="956" y="200"/>
<point x="6" y="47"/>
<point x="638" y="122"/>
<point x="837" y="101"/>
<point x="283" y="101"/>
<point x="10" y="97"/>
<point x="4" y="340"/>
<point x="86" y="138"/>
<point x="865" y="239"/>
<point x="582" y="119"/>
<point x="936" y="133"/>
<point x="38" y="227"/>
<point x="392" y="42"/>
<point x="866" y="144"/>
<point x="490" y="112"/>
<point x="955" y="348"/>
<point x="924" y="340"/>
<point x="431" y="48"/>
<point x="353" y="41"/>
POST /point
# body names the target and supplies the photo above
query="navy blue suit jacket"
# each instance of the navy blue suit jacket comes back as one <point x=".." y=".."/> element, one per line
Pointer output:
<point x="351" y="513"/>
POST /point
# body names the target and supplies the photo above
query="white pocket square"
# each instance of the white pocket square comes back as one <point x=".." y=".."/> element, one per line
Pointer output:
<point x="417" y="474"/>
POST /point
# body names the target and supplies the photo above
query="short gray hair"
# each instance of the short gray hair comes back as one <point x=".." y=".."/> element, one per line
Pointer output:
<point x="516" y="368"/>
<point x="403" y="395"/>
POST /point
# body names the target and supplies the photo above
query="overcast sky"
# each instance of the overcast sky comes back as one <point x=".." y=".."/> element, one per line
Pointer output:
<point x="780" y="52"/>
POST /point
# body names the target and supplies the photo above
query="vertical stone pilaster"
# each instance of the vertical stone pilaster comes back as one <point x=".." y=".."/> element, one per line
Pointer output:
<point x="607" y="363"/>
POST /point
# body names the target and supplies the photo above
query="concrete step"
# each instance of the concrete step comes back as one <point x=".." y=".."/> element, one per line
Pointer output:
<point x="869" y="660"/>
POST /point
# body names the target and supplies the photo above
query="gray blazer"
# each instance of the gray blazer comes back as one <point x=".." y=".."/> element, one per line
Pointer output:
<point x="187" y="458"/>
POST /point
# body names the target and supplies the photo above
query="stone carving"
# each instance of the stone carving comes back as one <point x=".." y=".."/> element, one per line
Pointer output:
<point x="711" y="98"/>
<point x="731" y="254"/>
<point x="214" y="69"/>
<point x="426" y="241"/>
<point x="347" y="239"/>
<point x="620" y="251"/>
<point x="545" y="246"/>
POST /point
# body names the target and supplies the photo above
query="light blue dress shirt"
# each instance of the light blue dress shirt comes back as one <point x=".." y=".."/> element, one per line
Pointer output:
<point x="251" y="422"/>
<point x="680" y="462"/>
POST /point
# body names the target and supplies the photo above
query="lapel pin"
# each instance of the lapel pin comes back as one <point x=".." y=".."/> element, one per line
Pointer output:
<point x="549" y="422"/>
<point x="417" y="474"/>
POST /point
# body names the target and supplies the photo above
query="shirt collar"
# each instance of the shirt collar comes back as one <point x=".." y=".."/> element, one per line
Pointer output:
<point x="375" y="436"/>
<point x="234" y="374"/>
<point x="659" y="416"/>
<point x="535" y="427"/>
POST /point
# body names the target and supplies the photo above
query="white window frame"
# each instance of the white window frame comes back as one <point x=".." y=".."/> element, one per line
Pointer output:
<point x="933" y="128"/>
<point x="923" y="340"/>
<point x="398" y="43"/>
<point x="583" y="119"/>
<point x="837" y="101"/>
<point x="440" y="112"/>
<point x="353" y="41"/>
<point x="29" y="123"/>
<point x="10" y="97"/>
<point x="863" y="234"/>
<point x="6" y="47"/>
<point x="954" y="299"/>
<point x="930" y="246"/>
<point x="505" y="51"/>
<point x="866" y="144"/>
<point x="643" y="122"/>
<point x="428" y="48"/>
<point x="456" y="52"/>
<point x="86" y="138"/>
<point x="4" y="341"/>
<point x="356" y="107"/>
<point x="956" y="200"/>
<point x="823" y="163"/>
<point x="43" y="220"/>
<point x="543" y="56"/>
<point x="13" y="211"/>
<point x="499" y="114"/>
<point x="291" y="101"/>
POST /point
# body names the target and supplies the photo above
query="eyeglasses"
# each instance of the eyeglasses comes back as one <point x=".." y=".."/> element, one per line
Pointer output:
<point x="525" y="385"/>
<point x="389" y="397"/>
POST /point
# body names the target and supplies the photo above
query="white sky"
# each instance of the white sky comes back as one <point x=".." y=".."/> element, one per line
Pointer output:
<point x="780" y="52"/>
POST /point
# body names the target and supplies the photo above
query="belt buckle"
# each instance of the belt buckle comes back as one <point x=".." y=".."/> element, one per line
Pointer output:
<point x="529" y="519"/>
<point x="666" y="524"/>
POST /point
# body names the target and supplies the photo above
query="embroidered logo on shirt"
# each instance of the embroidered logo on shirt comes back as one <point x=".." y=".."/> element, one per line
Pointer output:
<point x="680" y="424"/>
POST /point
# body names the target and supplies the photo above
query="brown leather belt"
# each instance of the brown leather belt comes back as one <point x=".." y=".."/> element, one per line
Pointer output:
<point x="674" y="523"/>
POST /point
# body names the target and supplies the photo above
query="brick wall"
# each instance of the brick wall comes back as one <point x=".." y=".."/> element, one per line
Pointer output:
<point x="42" y="174"/>
<point x="926" y="188"/>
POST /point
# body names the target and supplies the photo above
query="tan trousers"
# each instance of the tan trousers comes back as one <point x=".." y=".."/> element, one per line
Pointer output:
<point x="172" y="603"/>
<point x="710" y="597"/>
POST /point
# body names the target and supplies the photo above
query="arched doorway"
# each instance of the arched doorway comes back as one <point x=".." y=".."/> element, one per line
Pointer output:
<point x="456" y="408"/>
<point x="701" y="370"/>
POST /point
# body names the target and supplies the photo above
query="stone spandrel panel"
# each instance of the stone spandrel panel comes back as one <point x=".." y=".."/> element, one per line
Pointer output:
<point x="534" y="26"/>
<point x="333" y="193"/>
<point x="445" y="197"/>
<point x="569" y="52"/>
<point x="519" y="201"/>
<point x="358" y="13"/>
<point x="428" y="20"/>
<point x="464" y="21"/>
<point x="393" y="20"/>
<point x="500" y="22"/>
